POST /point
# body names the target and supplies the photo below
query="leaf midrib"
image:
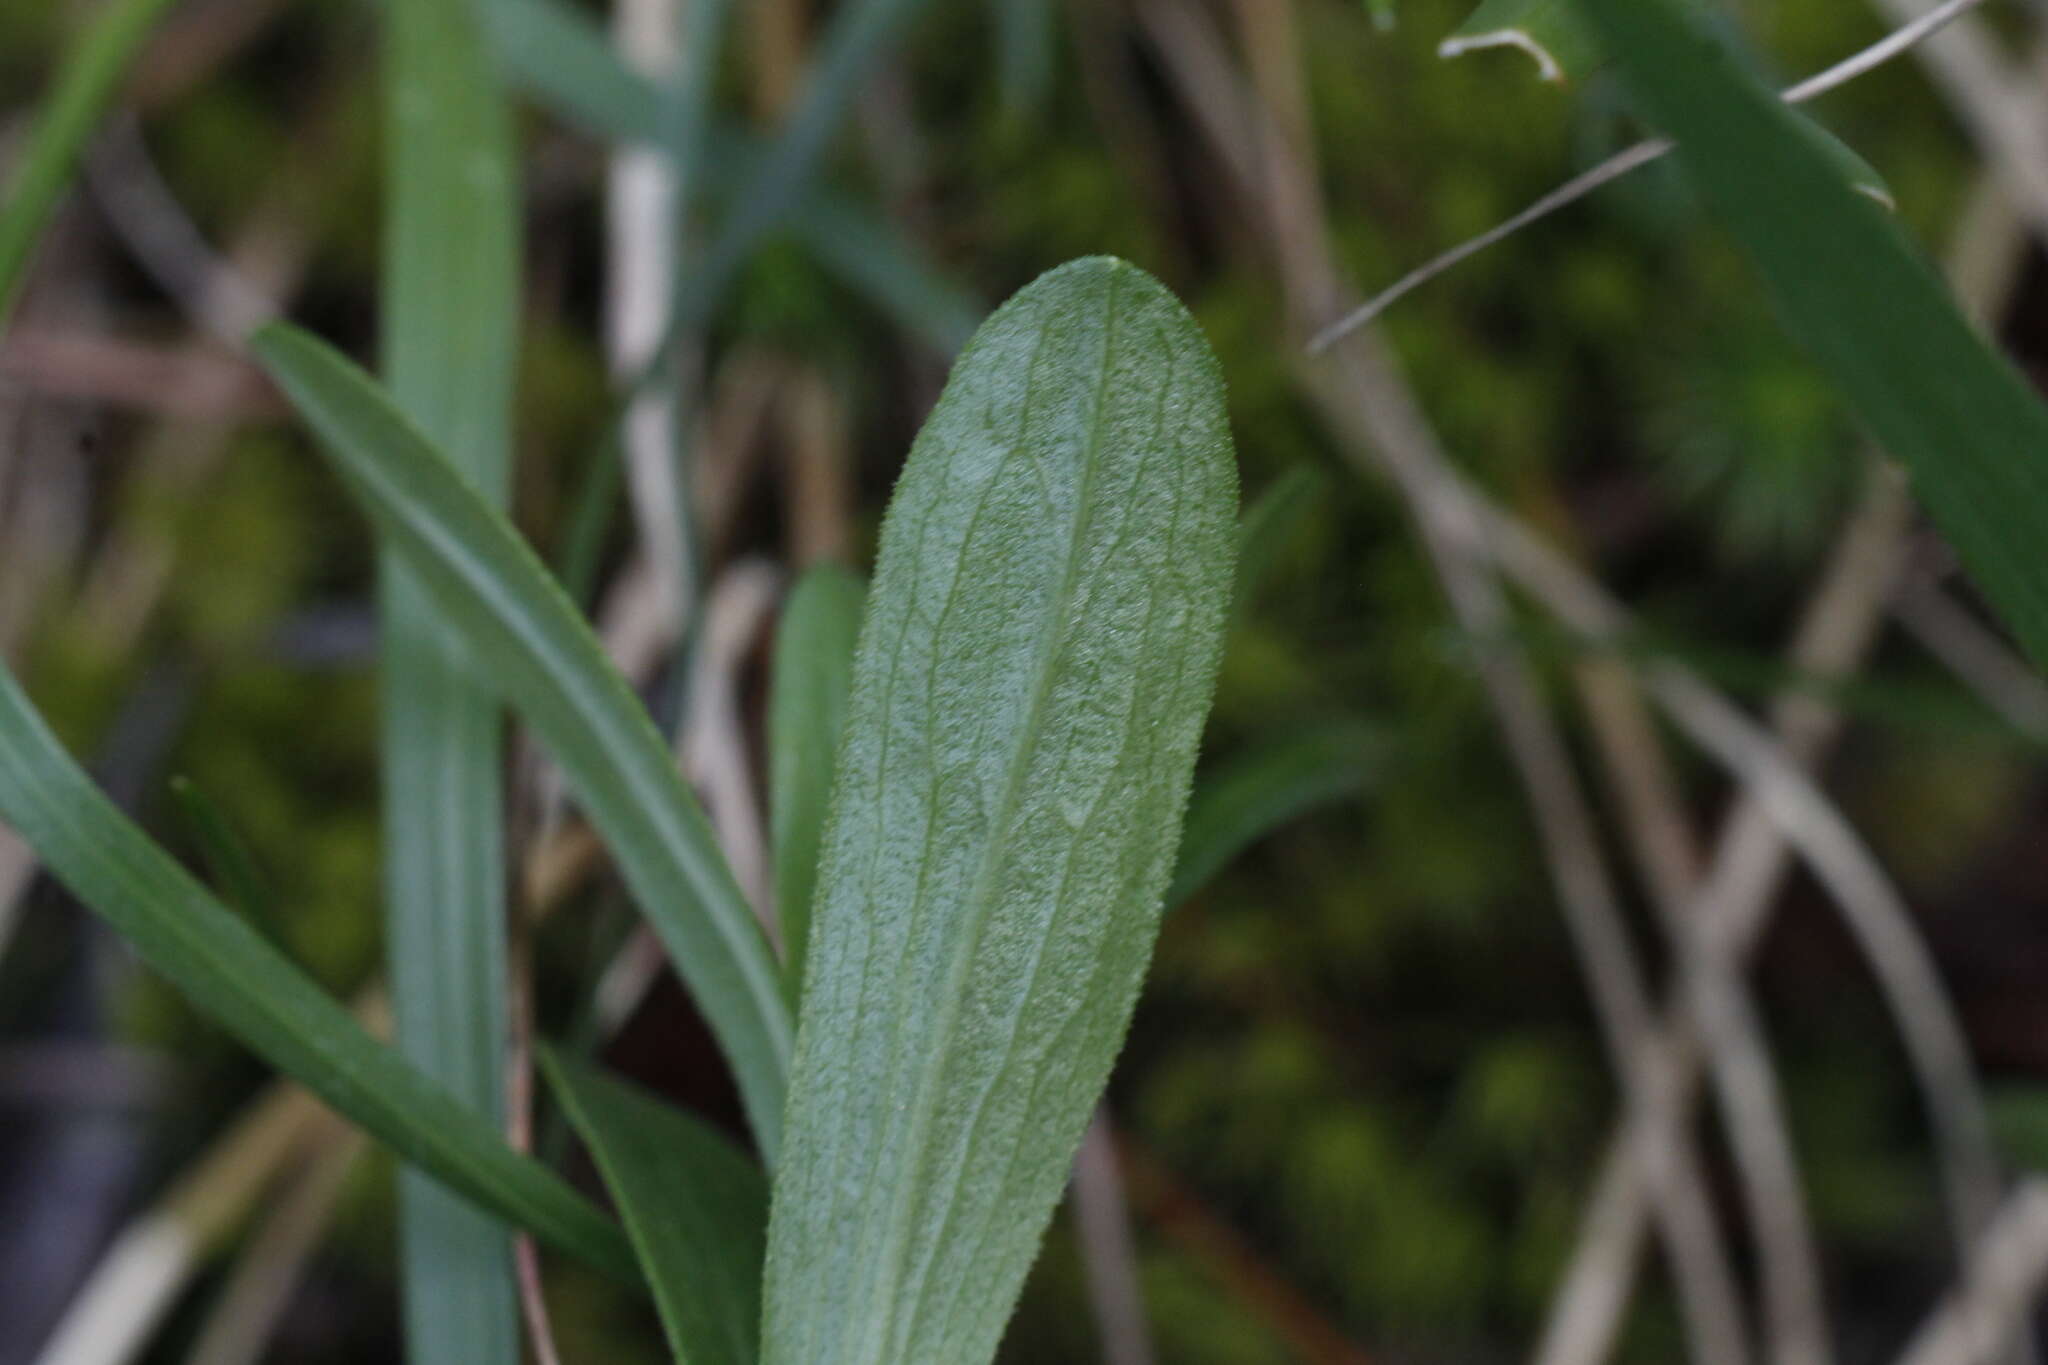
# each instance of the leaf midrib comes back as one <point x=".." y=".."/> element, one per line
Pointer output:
<point x="952" y="991"/>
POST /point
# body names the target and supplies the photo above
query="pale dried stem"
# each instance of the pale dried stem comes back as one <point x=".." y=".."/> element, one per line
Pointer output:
<point x="643" y="201"/>
<point x="274" y="1259"/>
<point x="1916" y="28"/>
<point x="2002" y="1280"/>
<point x="1836" y="631"/>
<point x="1975" y="653"/>
<point x="1108" y="1251"/>
<point x="1376" y="416"/>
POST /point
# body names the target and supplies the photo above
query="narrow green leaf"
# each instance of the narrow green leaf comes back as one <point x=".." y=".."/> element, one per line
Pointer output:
<point x="1274" y="518"/>
<point x="1029" y="690"/>
<point x="89" y="79"/>
<point x="806" y="717"/>
<point x="450" y="318"/>
<point x="695" y="1206"/>
<point x="235" y="874"/>
<point x="528" y="641"/>
<point x="1024" y="53"/>
<point x="1850" y="287"/>
<point x="1276" y="782"/>
<point x="231" y="973"/>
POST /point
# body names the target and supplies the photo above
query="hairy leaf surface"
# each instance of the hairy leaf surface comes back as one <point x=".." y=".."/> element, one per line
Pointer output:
<point x="1031" y="682"/>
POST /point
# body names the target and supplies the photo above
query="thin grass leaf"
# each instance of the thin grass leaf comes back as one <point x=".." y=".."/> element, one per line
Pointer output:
<point x="806" y="716"/>
<point x="235" y="874"/>
<point x="528" y="641"/>
<point x="1024" y="54"/>
<point x="1852" y="289"/>
<point x="1272" y="521"/>
<point x="228" y="971"/>
<point x="450" y="312"/>
<point x="1031" y="682"/>
<point x="88" y="81"/>
<point x="695" y="1206"/>
<point x="1275" y="783"/>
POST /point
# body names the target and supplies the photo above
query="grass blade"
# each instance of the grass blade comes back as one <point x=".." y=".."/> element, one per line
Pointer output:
<point x="235" y="874"/>
<point x="229" y="971"/>
<point x="529" y="641"/>
<point x="695" y="1206"/>
<point x="1255" y="794"/>
<point x="1024" y="53"/>
<point x="450" y="347"/>
<point x="1270" y="524"/>
<point x="1031" y="683"/>
<point x="812" y="680"/>
<point x="88" y="81"/>
<point x="1855" y="293"/>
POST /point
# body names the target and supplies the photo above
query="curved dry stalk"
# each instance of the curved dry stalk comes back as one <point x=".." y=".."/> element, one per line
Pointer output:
<point x="1976" y="655"/>
<point x="274" y="1259"/>
<point x="1373" y="416"/>
<point x="2003" y="1278"/>
<point x="2004" y="114"/>
<point x="1916" y="29"/>
<point x="152" y="1260"/>
<point x="713" y="750"/>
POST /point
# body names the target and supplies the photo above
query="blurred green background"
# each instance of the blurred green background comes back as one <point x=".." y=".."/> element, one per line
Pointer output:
<point x="1364" y="1098"/>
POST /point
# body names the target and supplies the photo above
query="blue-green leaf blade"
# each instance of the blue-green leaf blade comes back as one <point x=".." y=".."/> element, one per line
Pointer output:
<point x="812" y="681"/>
<point x="1851" y="288"/>
<point x="528" y="640"/>
<point x="695" y="1206"/>
<point x="1272" y="783"/>
<point x="229" y="971"/>
<point x="450" y="321"/>
<point x="1032" y="678"/>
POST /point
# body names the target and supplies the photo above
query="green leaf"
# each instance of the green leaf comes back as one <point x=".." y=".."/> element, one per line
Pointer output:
<point x="806" y="717"/>
<point x="90" y="77"/>
<point x="230" y="972"/>
<point x="450" y="314"/>
<point x="1024" y="53"/>
<point x="1031" y="683"/>
<point x="695" y="1206"/>
<point x="527" y="639"/>
<point x="235" y="874"/>
<point x="1276" y="782"/>
<point x="1860" y="298"/>
<point x="1550" y="31"/>
<point x="1273" y="520"/>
